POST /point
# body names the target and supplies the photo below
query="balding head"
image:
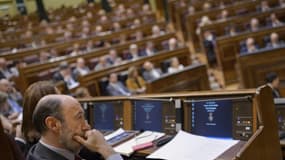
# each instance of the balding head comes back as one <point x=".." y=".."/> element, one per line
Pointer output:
<point x="4" y="85"/>
<point x="49" y="105"/>
<point x="58" y="118"/>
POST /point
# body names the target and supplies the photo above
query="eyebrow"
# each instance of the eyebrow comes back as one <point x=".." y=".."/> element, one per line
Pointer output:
<point x="79" y="113"/>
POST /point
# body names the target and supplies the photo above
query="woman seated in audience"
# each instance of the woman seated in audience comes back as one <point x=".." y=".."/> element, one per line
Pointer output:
<point x="175" y="65"/>
<point x="135" y="83"/>
<point x="31" y="97"/>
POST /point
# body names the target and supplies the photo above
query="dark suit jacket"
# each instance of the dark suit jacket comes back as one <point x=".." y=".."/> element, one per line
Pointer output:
<point x="40" y="152"/>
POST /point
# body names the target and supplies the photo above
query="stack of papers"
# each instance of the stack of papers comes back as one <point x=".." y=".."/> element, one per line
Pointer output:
<point x="126" y="148"/>
<point x="185" y="146"/>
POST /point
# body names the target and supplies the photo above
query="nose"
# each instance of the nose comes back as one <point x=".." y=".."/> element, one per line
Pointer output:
<point x="86" y="126"/>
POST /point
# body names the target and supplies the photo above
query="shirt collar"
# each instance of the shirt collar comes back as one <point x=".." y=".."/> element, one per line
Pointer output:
<point x="63" y="152"/>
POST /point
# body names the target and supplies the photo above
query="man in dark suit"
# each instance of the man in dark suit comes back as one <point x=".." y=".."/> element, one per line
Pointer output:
<point x="60" y="121"/>
<point x="65" y="74"/>
<point x="116" y="88"/>
<point x="272" y="81"/>
<point x="274" y="41"/>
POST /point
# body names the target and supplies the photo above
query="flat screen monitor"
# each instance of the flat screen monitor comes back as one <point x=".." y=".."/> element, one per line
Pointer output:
<point x="212" y="118"/>
<point x="107" y="115"/>
<point x="225" y="117"/>
<point x="154" y="116"/>
<point x="280" y="111"/>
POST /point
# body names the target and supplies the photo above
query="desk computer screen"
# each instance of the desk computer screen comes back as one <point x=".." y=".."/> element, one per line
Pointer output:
<point x="227" y="117"/>
<point x="212" y="118"/>
<point x="154" y="116"/>
<point x="107" y="115"/>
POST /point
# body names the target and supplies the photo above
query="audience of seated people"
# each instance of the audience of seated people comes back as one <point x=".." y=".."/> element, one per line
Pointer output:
<point x="175" y="65"/>
<point x="65" y="74"/>
<point x="135" y="83"/>
<point x="117" y="88"/>
<point x="150" y="73"/>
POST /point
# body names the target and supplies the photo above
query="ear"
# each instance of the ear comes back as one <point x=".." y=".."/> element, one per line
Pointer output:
<point x="53" y="124"/>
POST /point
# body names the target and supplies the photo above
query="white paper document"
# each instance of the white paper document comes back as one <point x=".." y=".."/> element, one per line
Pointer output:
<point x="114" y="134"/>
<point x="147" y="136"/>
<point x="185" y="146"/>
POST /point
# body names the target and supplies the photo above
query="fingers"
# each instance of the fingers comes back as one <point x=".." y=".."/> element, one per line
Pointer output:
<point x="79" y="140"/>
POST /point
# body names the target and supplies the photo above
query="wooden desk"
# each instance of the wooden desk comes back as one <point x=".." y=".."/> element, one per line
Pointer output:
<point x="254" y="67"/>
<point x="191" y="78"/>
<point x="228" y="48"/>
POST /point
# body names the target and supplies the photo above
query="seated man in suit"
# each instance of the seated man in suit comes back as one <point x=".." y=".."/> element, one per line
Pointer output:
<point x="175" y="65"/>
<point x="133" y="52"/>
<point x="4" y="70"/>
<point x="65" y="74"/>
<point x="81" y="69"/>
<point x="254" y="24"/>
<point x="113" y="57"/>
<point x="250" y="46"/>
<point x="150" y="49"/>
<point x="274" y="41"/>
<point x="60" y="121"/>
<point x="156" y="31"/>
<point x="172" y="44"/>
<point x="14" y="109"/>
<point x="272" y="81"/>
<point x="274" y="21"/>
<point x="102" y="64"/>
<point x="150" y="73"/>
<point x="264" y="6"/>
<point x="116" y="88"/>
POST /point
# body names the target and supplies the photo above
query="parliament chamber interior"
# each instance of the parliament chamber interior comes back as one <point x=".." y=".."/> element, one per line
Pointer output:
<point x="206" y="72"/>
